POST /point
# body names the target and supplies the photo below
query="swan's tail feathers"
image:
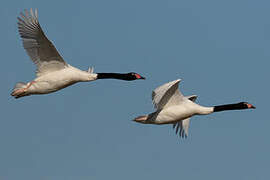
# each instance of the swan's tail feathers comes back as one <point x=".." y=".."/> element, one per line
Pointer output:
<point x="19" y="90"/>
<point x="181" y="127"/>
<point x="90" y="70"/>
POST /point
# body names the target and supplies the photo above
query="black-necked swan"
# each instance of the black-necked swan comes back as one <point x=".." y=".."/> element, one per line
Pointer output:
<point x="53" y="73"/>
<point x="174" y="108"/>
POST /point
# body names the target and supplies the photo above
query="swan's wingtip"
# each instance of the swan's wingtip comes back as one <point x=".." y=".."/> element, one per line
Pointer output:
<point x="175" y="81"/>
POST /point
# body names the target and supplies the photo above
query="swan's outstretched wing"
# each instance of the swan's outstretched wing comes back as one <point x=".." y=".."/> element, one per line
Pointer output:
<point x="182" y="126"/>
<point x="38" y="47"/>
<point x="167" y="95"/>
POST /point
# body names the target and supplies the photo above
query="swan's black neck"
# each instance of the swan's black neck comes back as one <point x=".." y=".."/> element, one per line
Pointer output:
<point x="120" y="76"/>
<point x="226" y="107"/>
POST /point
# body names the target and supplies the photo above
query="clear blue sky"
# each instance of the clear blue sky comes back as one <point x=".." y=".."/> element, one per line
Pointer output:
<point x="220" y="49"/>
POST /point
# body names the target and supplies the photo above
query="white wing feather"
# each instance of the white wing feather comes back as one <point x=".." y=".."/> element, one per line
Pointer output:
<point x="90" y="70"/>
<point x="167" y="95"/>
<point x="182" y="127"/>
<point x="38" y="47"/>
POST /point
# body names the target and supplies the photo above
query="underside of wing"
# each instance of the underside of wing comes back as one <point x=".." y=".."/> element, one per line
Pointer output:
<point x="38" y="47"/>
<point x="181" y="128"/>
<point x="167" y="94"/>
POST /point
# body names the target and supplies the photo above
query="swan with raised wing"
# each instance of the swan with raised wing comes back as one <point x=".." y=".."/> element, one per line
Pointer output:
<point x="53" y="73"/>
<point x="174" y="108"/>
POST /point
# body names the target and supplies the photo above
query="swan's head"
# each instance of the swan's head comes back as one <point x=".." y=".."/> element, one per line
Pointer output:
<point x="245" y="105"/>
<point x="141" y="119"/>
<point x="133" y="76"/>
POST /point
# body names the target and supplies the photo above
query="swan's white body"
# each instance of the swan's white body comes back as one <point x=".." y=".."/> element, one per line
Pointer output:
<point x="57" y="80"/>
<point x="174" y="114"/>
<point x="53" y="73"/>
<point x="173" y="108"/>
